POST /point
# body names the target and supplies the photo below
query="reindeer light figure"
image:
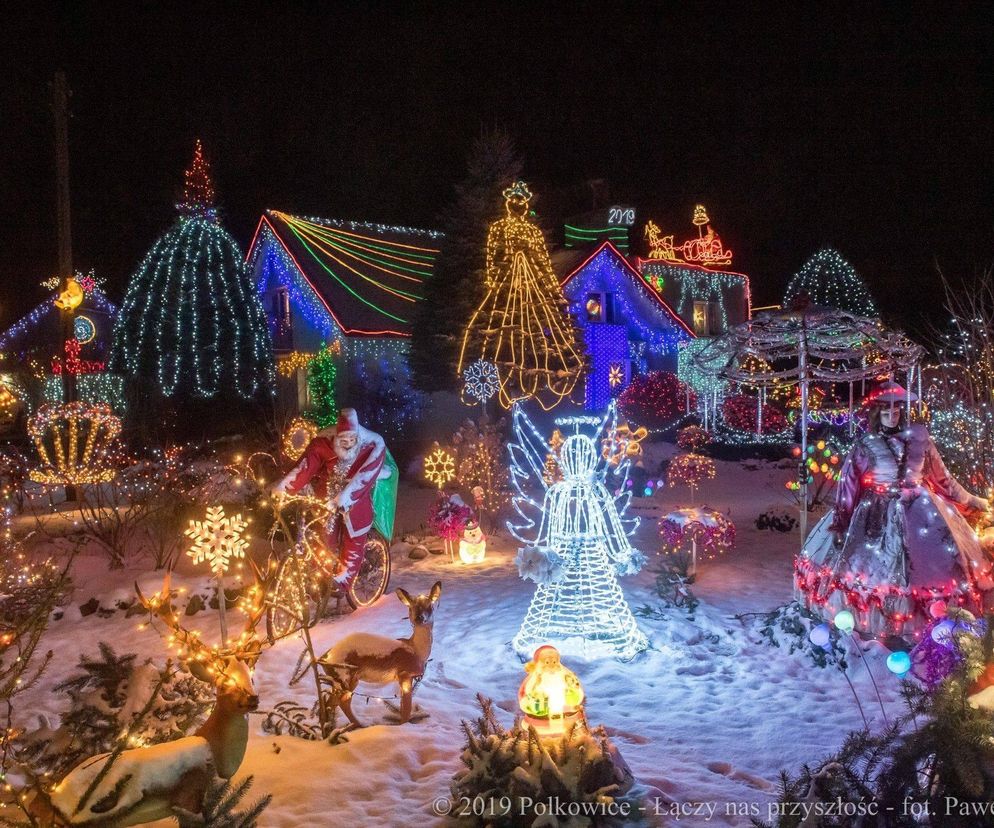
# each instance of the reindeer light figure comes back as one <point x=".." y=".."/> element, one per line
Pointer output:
<point x="376" y="659"/>
<point x="144" y="784"/>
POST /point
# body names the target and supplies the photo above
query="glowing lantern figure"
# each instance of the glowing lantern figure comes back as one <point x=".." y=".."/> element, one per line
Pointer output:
<point x="473" y="546"/>
<point x="551" y="696"/>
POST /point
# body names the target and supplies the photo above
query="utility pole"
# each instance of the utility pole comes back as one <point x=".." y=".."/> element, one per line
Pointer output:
<point x="60" y="112"/>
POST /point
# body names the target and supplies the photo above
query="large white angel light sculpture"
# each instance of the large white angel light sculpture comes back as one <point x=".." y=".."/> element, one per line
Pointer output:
<point x="576" y="542"/>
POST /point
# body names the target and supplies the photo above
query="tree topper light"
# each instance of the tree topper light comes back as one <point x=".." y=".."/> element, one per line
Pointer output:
<point x="217" y="540"/>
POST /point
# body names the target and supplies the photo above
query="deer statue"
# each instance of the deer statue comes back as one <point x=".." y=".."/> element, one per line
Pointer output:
<point x="377" y="659"/>
<point x="144" y="784"/>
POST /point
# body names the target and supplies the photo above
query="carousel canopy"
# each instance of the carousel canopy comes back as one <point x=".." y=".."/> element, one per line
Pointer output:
<point x="817" y="343"/>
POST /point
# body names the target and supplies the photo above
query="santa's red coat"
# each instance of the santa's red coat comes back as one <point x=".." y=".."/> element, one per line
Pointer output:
<point x="318" y="462"/>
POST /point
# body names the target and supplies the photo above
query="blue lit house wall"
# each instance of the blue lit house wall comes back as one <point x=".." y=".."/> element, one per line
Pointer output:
<point x="628" y="328"/>
<point x="355" y="283"/>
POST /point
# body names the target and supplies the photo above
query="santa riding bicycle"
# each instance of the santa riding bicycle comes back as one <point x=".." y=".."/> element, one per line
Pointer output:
<point x="349" y="476"/>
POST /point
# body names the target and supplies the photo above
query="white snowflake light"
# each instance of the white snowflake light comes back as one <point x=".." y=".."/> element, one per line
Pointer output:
<point x="576" y="544"/>
<point x="217" y="540"/>
<point x="482" y="380"/>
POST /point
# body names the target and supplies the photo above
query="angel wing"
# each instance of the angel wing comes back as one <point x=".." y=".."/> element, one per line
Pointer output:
<point x="528" y="454"/>
<point x="615" y="477"/>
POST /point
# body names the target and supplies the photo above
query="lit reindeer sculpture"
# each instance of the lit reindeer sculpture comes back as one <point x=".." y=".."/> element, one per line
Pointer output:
<point x="144" y="784"/>
<point x="376" y="659"/>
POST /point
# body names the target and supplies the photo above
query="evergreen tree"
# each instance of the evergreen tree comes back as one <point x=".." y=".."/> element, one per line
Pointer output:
<point x="220" y="801"/>
<point x="828" y="280"/>
<point x="191" y="320"/>
<point x="456" y="288"/>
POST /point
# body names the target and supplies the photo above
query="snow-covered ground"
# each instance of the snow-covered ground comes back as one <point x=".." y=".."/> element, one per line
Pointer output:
<point x="709" y="714"/>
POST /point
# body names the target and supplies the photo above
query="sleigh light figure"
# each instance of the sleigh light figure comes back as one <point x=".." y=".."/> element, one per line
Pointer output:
<point x="576" y="543"/>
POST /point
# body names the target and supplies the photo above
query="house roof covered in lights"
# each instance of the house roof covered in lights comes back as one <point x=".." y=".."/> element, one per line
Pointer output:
<point x="346" y="277"/>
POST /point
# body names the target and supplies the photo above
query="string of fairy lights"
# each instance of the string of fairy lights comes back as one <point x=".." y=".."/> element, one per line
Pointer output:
<point x="522" y="325"/>
<point x="369" y="268"/>
<point x="828" y="280"/>
<point x="190" y="316"/>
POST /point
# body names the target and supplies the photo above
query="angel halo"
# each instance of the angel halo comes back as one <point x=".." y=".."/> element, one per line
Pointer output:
<point x="576" y="541"/>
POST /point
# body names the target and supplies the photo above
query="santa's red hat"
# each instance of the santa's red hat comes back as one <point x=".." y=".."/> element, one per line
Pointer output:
<point x="348" y="422"/>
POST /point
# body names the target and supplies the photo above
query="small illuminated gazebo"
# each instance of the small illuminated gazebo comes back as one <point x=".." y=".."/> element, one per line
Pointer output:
<point x="812" y="344"/>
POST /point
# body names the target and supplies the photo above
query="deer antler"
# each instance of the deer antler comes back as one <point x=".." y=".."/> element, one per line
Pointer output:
<point x="160" y="606"/>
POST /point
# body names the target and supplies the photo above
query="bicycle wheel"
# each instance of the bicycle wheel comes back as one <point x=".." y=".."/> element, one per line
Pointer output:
<point x="288" y="600"/>
<point x="374" y="573"/>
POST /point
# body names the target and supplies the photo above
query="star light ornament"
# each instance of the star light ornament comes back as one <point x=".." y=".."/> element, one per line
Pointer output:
<point x="217" y="540"/>
<point x="576" y="541"/>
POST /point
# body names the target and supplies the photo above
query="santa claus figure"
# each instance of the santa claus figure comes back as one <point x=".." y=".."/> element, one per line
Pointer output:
<point x="350" y="469"/>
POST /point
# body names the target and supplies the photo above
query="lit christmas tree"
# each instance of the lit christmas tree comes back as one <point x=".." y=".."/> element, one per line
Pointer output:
<point x="829" y="280"/>
<point x="523" y="324"/>
<point x="321" y="374"/>
<point x="191" y="319"/>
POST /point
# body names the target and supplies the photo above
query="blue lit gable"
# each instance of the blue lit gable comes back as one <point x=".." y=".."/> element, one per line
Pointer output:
<point x="628" y="328"/>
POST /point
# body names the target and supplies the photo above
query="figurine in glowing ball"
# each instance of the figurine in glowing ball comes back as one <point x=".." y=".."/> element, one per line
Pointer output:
<point x="550" y="696"/>
<point x="576" y="543"/>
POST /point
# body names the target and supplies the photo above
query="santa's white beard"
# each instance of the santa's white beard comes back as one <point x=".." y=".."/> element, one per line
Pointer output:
<point x="347" y="455"/>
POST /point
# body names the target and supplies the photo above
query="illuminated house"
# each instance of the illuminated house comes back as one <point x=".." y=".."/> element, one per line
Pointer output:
<point x="35" y="346"/>
<point x="629" y="328"/>
<point x="351" y="285"/>
<point x="692" y="278"/>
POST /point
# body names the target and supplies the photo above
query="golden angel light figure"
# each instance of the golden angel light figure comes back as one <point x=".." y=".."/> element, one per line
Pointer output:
<point x="523" y="325"/>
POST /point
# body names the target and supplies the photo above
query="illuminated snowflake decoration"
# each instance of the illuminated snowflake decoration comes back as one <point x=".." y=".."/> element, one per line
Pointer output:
<point x="440" y="467"/>
<point x="217" y="540"/>
<point x="615" y="375"/>
<point x="482" y="380"/>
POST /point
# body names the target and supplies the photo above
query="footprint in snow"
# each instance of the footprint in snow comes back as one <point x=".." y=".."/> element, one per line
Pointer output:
<point x="634" y="738"/>
<point x="726" y="769"/>
<point x="441" y="678"/>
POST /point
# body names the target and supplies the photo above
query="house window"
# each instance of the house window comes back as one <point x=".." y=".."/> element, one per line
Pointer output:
<point x="702" y="318"/>
<point x="595" y="307"/>
<point x="281" y="307"/>
<point x="600" y="307"/>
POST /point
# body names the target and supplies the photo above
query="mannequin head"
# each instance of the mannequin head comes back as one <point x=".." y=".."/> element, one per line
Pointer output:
<point x="888" y="416"/>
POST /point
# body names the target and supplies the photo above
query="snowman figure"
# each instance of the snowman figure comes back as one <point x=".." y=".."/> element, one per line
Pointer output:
<point x="473" y="546"/>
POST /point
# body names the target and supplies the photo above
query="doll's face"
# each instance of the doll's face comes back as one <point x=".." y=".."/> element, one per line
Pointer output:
<point x="890" y="415"/>
<point x="549" y="661"/>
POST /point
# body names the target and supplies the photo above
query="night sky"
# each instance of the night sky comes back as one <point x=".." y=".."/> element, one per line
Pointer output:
<point x="868" y="127"/>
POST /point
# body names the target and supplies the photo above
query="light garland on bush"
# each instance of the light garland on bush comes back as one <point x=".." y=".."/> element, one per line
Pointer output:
<point x="655" y="400"/>
<point x="696" y="531"/>
<point x="191" y="318"/>
<point x="72" y="442"/>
